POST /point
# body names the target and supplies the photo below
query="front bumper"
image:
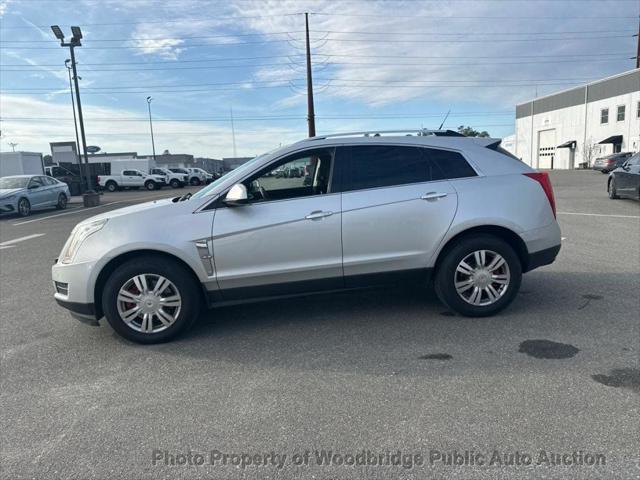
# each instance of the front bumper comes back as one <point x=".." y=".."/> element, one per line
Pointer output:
<point x="8" y="206"/>
<point x="74" y="288"/>
<point x="85" y="312"/>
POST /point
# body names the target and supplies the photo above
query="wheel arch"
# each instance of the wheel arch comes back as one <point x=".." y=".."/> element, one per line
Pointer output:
<point x="505" y="234"/>
<point x="115" y="262"/>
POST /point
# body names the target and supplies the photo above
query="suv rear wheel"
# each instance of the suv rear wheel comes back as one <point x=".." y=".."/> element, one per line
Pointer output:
<point x="150" y="301"/>
<point x="478" y="276"/>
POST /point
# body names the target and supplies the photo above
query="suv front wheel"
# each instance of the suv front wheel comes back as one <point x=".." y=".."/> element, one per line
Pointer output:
<point x="478" y="276"/>
<point x="151" y="299"/>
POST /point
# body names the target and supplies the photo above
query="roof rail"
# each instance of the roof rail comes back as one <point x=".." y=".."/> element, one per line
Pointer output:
<point x="420" y="132"/>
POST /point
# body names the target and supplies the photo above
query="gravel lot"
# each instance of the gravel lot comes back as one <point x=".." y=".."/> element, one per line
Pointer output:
<point x="378" y="371"/>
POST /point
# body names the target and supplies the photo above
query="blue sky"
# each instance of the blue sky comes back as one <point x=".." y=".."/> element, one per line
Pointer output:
<point x="378" y="64"/>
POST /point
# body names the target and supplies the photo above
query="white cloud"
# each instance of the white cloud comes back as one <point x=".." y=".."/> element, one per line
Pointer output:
<point x="164" y="47"/>
<point x="394" y="20"/>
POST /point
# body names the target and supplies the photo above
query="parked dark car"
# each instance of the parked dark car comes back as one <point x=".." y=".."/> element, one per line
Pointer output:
<point x="611" y="162"/>
<point x="625" y="181"/>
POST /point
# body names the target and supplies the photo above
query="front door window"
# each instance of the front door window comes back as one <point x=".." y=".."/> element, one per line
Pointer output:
<point x="300" y="175"/>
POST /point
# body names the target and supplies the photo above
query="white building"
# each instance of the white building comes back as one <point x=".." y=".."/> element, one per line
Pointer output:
<point x="575" y="126"/>
<point x="509" y="143"/>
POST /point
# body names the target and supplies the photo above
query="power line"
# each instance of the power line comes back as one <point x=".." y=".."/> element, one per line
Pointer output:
<point x="225" y="118"/>
<point x="356" y="65"/>
<point x="322" y="55"/>
<point x="330" y="85"/>
<point x="280" y="81"/>
<point x="328" y="39"/>
<point x="342" y="32"/>
<point x="198" y="37"/>
<point x="190" y="21"/>
<point x="482" y="17"/>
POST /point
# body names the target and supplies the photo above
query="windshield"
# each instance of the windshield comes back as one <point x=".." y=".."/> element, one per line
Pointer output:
<point x="242" y="168"/>
<point x="13" y="182"/>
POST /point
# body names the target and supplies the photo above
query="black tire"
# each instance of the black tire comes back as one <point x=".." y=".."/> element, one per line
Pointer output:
<point x="445" y="276"/>
<point x="111" y="186"/>
<point x="150" y="185"/>
<point x="195" y="181"/>
<point x="62" y="202"/>
<point x="175" y="183"/>
<point x="613" y="193"/>
<point x="186" y="284"/>
<point x="24" y="207"/>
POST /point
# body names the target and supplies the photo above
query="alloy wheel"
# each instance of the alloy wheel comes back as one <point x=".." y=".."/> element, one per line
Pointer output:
<point x="482" y="277"/>
<point x="149" y="303"/>
<point x="24" y="208"/>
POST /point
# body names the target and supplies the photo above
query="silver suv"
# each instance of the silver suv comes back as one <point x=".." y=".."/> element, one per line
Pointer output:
<point x="455" y="212"/>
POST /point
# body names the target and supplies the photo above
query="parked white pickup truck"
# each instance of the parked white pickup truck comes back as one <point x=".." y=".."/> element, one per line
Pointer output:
<point x="195" y="178"/>
<point x="131" y="179"/>
<point x="176" y="180"/>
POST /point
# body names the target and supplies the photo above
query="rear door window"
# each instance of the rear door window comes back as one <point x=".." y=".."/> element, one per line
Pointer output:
<point x="448" y="164"/>
<point x="374" y="166"/>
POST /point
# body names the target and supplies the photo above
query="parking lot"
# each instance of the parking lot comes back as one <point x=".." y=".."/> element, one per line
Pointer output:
<point x="380" y="371"/>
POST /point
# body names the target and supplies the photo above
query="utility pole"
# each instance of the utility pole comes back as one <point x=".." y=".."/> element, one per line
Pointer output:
<point x="153" y="143"/>
<point x="76" y="42"/>
<point x="311" y="116"/>
<point x="13" y="146"/>
<point x="638" y="48"/>
<point x="73" y="106"/>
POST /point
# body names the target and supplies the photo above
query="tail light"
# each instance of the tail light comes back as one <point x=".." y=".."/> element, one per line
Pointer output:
<point x="543" y="179"/>
<point x="98" y="177"/>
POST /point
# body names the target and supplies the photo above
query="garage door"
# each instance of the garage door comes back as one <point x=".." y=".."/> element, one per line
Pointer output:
<point x="546" y="148"/>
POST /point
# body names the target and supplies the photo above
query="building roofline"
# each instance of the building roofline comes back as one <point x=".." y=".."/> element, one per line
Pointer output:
<point x="595" y="82"/>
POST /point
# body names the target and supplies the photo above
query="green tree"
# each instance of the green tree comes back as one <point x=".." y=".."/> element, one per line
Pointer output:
<point x="471" y="132"/>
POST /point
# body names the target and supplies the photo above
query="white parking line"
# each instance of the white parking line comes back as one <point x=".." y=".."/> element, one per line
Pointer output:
<point x="20" y="239"/>
<point x="598" y="215"/>
<point x="80" y="209"/>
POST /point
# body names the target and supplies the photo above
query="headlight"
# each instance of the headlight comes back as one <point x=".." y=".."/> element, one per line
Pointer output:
<point x="79" y="235"/>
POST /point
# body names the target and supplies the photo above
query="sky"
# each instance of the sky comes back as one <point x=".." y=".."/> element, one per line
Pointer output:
<point x="377" y="65"/>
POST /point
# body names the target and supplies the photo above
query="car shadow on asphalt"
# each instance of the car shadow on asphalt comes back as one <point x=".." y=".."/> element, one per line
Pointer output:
<point x="386" y="330"/>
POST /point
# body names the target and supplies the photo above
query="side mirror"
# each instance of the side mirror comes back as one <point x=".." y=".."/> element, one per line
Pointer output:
<point x="236" y="196"/>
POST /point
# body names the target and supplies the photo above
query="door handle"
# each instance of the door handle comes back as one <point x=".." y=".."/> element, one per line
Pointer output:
<point x="433" y="195"/>
<point x="318" y="214"/>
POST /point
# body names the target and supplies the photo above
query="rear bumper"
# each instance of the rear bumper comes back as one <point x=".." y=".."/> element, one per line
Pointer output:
<point x="542" y="257"/>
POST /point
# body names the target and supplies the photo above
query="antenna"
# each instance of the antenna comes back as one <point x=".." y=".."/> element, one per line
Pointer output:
<point x="445" y="119"/>
<point x="233" y="133"/>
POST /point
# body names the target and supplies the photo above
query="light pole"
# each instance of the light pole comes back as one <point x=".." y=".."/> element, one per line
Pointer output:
<point x="76" y="42"/>
<point x="73" y="105"/>
<point x="153" y="145"/>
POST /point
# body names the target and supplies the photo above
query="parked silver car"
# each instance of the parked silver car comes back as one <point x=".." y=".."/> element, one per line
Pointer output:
<point x="23" y="193"/>
<point x="452" y="211"/>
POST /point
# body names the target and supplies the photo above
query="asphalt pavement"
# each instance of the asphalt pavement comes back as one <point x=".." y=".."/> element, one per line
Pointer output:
<point x="382" y="383"/>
